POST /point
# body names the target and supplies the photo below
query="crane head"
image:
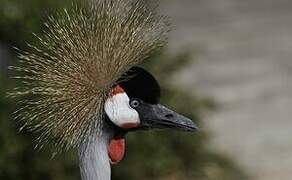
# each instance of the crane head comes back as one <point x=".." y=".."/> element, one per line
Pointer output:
<point x="133" y="105"/>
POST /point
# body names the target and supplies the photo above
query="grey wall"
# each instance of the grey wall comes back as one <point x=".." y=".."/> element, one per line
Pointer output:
<point x="245" y="64"/>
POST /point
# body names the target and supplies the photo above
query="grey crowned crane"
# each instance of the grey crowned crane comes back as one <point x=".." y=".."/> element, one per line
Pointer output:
<point x="132" y="105"/>
<point x="81" y="88"/>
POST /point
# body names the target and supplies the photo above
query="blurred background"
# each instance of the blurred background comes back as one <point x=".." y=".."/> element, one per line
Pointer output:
<point x="227" y="66"/>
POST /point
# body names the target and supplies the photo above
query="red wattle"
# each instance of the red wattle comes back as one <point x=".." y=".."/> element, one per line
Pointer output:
<point x="116" y="150"/>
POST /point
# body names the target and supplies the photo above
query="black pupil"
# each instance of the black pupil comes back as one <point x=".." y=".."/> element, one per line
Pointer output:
<point x="135" y="103"/>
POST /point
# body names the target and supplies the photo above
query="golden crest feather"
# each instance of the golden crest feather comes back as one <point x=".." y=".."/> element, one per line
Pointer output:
<point x="82" y="54"/>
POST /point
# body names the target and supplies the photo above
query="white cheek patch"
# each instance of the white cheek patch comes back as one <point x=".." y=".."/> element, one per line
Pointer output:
<point x="120" y="112"/>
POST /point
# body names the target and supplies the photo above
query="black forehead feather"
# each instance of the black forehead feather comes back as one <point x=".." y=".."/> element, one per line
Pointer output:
<point x="141" y="84"/>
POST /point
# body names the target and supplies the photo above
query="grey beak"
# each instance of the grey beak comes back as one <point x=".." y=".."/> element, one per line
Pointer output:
<point x="158" y="116"/>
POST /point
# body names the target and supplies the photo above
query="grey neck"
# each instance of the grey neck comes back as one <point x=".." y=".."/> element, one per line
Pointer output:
<point x="94" y="160"/>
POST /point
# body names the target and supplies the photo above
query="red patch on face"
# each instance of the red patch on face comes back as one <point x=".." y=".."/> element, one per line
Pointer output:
<point x="130" y="125"/>
<point x="116" y="90"/>
<point x="116" y="150"/>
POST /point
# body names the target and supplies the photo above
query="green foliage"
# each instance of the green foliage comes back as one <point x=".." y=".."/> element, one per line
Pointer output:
<point x="20" y="18"/>
<point x="161" y="155"/>
<point x="18" y="158"/>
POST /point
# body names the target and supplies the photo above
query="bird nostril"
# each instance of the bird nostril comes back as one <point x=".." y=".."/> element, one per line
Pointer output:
<point x="169" y="116"/>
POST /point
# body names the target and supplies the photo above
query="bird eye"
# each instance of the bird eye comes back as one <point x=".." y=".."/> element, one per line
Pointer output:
<point x="134" y="103"/>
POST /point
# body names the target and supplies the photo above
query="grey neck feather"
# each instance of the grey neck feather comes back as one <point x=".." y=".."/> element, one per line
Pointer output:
<point x="94" y="160"/>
